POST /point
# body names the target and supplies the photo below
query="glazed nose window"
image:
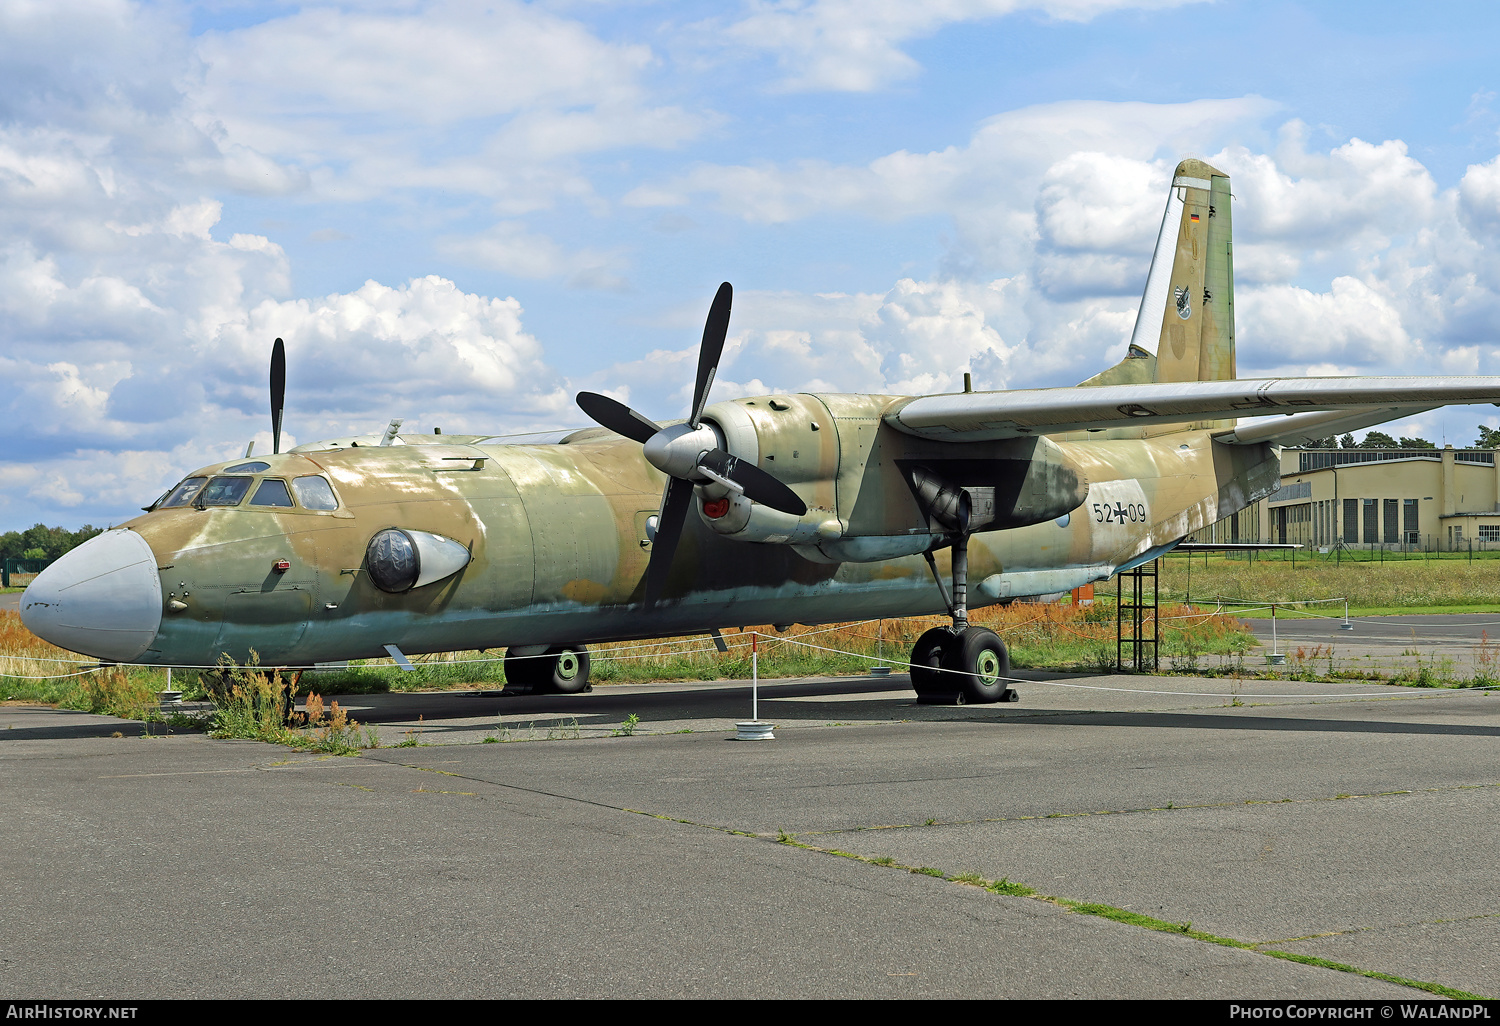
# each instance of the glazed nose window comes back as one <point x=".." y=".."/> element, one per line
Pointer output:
<point x="393" y="561"/>
<point x="183" y="493"/>
<point x="224" y="491"/>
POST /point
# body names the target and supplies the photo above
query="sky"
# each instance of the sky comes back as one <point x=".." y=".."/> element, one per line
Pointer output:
<point x="462" y="213"/>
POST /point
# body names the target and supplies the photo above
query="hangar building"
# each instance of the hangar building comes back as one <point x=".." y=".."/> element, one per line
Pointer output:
<point x="1415" y="499"/>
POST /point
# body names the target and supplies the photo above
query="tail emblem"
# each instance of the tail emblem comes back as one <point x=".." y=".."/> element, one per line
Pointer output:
<point x="1184" y="304"/>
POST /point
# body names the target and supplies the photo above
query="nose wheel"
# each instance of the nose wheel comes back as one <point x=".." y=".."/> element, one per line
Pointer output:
<point x="562" y="669"/>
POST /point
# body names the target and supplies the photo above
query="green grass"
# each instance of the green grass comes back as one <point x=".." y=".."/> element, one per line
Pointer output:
<point x="1439" y="582"/>
<point x="1004" y="886"/>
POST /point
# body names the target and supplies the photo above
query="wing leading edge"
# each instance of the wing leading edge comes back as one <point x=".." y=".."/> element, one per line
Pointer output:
<point x="1311" y="407"/>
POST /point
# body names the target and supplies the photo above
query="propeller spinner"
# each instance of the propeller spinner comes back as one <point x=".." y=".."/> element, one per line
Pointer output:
<point x="689" y="453"/>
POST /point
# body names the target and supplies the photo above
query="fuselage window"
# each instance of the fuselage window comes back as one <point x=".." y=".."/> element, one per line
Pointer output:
<point x="253" y="467"/>
<point x="314" y="493"/>
<point x="183" y="493"/>
<point x="272" y="492"/>
<point x="224" y="491"/>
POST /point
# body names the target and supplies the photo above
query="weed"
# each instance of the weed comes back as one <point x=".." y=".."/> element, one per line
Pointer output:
<point x="929" y="871"/>
<point x="253" y="704"/>
<point x="1004" y="886"/>
<point x="564" y="731"/>
<point x="884" y="860"/>
<point x="627" y="728"/>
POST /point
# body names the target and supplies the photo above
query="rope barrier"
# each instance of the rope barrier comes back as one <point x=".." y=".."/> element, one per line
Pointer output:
<point x="1144" y="691"/>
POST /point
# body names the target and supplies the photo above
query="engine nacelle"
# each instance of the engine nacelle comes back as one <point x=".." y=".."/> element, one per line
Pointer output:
<point x="874" y="493"/>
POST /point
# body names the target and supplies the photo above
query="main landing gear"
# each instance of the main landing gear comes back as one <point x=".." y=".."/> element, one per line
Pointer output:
<point x="959" y="664"/>
<point x="563" y="669"/>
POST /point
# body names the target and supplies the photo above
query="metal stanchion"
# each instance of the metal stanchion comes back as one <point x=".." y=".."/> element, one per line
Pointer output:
<point x="754" y="729"/>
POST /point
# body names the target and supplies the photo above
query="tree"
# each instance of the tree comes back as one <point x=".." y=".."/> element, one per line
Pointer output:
<point x="1378" y="440"/>
<point x="1416" y="443"/>
<point x="1489" y="438"/>
<point x="51" y="542"/>
<point x="1347" y="442"/>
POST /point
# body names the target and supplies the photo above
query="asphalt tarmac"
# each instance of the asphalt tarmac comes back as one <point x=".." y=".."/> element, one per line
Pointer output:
<point x="1456" y="645"/>
<point x="1350" y="822"/>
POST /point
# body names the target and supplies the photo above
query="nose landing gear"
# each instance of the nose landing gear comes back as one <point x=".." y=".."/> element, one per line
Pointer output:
<point x="960" y="664"/>
<point x="562" y="669"/>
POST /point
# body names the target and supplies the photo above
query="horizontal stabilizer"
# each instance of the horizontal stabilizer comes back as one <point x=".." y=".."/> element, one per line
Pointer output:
<point x="989" y="416"/>
<point x="1311" y="428"/>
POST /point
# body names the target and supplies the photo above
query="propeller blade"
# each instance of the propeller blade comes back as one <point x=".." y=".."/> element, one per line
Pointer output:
<point x="674" y="507"/>
<point x="278" y="392"/>
<point x="758" y="485"/>
<point x="616" y="416"/>
<point x="714" y="330"/>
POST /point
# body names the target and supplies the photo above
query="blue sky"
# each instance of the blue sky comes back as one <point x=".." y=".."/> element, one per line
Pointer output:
<point x="462" y="213"/>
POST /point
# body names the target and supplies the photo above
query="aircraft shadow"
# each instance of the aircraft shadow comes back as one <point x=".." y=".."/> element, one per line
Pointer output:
<point x="824" y="702"/>
<point x="63" y="732"/>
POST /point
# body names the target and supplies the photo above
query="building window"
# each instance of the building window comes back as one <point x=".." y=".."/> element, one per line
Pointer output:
<point x="1489" y="532"/>
<point x="1389" y="509"/>
<point x="1409" y="520"/>
<point x="1372" y="528"/>
<point x="1351" y="521"/>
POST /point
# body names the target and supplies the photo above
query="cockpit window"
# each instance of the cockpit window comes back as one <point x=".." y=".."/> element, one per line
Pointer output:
<point x="315" y="493"/>
<point x="272" y="492"/>
<point x="224" y="491"/>
<point x="183" y="493"/>
<point x="253" y="467"/>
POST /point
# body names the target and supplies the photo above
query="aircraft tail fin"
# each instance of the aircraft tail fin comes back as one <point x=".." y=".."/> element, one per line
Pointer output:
<point x="1187" y="311"/>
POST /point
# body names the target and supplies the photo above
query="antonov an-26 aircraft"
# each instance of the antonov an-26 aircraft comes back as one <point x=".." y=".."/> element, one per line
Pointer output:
<point x="797" y="508"/>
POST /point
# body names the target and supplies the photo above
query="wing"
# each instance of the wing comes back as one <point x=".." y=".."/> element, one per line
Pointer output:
<point x="1352" y="403"/>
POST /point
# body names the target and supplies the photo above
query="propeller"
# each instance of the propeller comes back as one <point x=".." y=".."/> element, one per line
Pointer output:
<point x="278" y="392"/>
<point x="689" y="453"/>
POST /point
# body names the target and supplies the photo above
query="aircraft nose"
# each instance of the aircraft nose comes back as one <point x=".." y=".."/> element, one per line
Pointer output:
<point x="102" y="599"/>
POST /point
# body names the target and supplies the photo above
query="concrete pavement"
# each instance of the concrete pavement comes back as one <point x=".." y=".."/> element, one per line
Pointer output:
<point x="1356" y="824"/>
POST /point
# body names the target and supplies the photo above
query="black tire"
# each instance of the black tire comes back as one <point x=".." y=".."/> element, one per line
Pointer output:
<point x="566" y="669"/>
<point x="524" y="671"/>
<point x="926" y="658"/>
<point x="980" y="665"/>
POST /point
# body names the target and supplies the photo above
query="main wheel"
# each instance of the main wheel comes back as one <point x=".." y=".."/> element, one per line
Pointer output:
<point x="980" y="665"/>
<point x="566" y="669"/>
<point x="926" y="658"/>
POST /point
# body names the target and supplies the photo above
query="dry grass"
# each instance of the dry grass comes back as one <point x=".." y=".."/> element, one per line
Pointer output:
<point x="1052" y="635"/>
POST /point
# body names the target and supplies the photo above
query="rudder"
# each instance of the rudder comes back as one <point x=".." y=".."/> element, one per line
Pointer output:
<point x="1187" y="310"/>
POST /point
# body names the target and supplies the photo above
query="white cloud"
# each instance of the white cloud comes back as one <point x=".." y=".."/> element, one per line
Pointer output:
<point x="1350" y="324"/>
<point x="1021" y="173"/>
<point x="854" y="45"/>
<point x="447" y="95"/>
<point x="507" y="246"/>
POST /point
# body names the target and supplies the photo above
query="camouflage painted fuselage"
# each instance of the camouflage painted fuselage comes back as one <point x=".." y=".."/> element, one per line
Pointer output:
<point x="559" y="539"/>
